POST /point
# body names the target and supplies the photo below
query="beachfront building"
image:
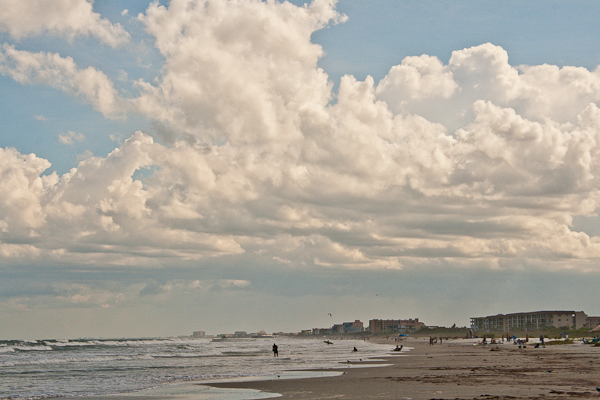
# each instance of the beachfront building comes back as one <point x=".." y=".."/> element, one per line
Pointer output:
<point x="530" y="321"/>
<point x="348" y="328"/>
<point x="592" y="322"/>
<point x="322" y="331"/>
<point x="198" y="334"/>
<point x="353" y="327"/>
<point x="395" y="325"/>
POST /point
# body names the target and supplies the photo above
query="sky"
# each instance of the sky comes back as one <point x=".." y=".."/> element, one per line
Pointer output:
<point x="227" y="165"/>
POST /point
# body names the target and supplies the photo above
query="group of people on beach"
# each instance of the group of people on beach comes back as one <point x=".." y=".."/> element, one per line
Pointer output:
<point x="514" y="340"/>
<point x="434" y="340"/>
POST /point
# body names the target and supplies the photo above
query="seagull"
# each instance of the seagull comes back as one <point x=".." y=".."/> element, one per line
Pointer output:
<point x="330" y="314"/>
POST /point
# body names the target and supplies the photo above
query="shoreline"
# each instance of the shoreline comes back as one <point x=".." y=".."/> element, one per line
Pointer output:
<point x="456" y="369"/>
<point x="208" y="390"/>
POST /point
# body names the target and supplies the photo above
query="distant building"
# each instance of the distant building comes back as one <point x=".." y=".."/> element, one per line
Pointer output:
<point x="198" y="334"/>
<point x="395" y="325"/>
<point x="592" y="322"/>
<point x="530" y="321"/>
<point x="322" y="331"/>
<point x="353" y="327"/>
<point x="240" y="334"/>
<point x="337" y="329"/>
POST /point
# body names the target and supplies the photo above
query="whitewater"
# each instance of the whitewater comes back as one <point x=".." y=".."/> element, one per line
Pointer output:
<point x="38" y="369"/>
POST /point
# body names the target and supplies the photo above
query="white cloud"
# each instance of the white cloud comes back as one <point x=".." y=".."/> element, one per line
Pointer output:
<point x="62" y="73"/>
<point x="423" y="86"/>
<point x="244" y="71"/>
<point x="21" y="191"/>
<point x="70" y="18"/>
<point x="71" y="137"/>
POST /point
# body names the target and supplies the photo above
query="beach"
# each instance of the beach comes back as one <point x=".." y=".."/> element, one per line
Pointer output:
<point x="456" y="369"/>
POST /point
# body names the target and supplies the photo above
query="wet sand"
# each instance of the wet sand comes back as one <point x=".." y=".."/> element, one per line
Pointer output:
<point x="457" y="369"/>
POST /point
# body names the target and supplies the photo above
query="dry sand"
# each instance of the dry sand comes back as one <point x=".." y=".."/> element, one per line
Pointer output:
<point x="457" y="369"/>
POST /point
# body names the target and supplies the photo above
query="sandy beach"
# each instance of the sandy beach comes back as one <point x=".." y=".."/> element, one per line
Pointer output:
<point x="457" y="369"/>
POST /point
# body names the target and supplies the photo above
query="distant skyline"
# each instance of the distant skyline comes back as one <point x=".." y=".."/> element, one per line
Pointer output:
<point x="180" y="165"/>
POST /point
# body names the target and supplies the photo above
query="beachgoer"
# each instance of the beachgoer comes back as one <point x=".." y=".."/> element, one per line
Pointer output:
<point x="355" y="349"/>
<point x="275" y="350"/>
<point x="542" y="340"/>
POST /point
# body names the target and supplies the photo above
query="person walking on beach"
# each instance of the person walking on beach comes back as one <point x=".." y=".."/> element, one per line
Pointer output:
<point x="275" y="350"/>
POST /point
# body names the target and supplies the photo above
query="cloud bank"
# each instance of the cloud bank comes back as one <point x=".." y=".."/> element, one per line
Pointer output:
<point x="471" y="164"/>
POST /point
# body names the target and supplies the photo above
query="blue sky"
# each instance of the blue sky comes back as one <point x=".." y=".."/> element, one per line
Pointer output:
<point x="382" y="159"/>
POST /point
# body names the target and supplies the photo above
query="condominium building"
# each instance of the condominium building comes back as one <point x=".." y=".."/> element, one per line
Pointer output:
<point x="395" y="325"/>
<point x="592" y="322"/>
<point x="530" y="321"/>
<point x="353" y="327"/>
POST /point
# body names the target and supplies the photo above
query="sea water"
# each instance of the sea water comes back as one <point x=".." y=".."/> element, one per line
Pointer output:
<point x="38" y="369"/>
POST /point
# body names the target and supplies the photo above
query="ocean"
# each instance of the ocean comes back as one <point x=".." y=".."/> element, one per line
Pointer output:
<point x="39" y="369"/>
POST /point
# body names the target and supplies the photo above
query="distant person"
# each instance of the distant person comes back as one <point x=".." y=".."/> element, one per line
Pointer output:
<point x="355" y="349"/>
<point x="398" y="348"/>
<point x="275" y="350"/>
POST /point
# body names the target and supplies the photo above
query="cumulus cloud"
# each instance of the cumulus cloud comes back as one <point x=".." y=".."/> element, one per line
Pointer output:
<point x="242" y="71"/>
<point x="471" y="163"/>
<point x="70" y="18"/>
<point x="21" y="190"/>
<point x="62" y="73"/>
<point x="445" y="93"/>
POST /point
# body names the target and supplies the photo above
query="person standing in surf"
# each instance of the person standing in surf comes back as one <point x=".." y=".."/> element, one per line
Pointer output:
<point x="275" y="350"/>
